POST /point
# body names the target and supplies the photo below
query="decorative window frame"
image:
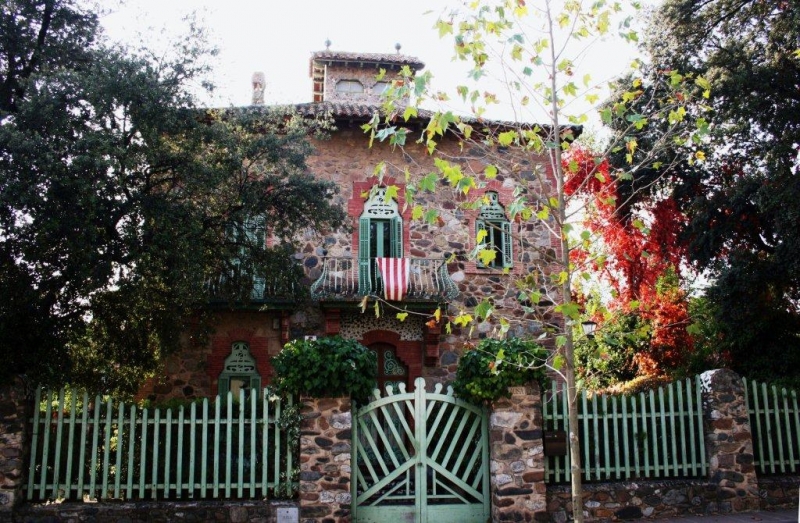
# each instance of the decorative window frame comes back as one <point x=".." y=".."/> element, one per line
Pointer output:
<point x="240" y="364"/>
<point x="348" y="82"/>
<point x="505" y="195"/>
<point x="493" y="214"/>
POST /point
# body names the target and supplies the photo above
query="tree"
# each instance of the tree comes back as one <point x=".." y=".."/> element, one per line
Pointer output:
<point x="530" y="45"/>
<point x="741" y="199"/>
<point x="121" y="200"/>
<point x="640" y="271"/>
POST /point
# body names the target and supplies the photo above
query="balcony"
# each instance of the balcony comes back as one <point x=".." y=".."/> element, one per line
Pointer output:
<point x="281" y="286"/>
<point x="351" y="278"/>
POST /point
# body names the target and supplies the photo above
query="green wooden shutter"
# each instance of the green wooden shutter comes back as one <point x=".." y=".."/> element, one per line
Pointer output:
<point x="480" y="225"/>
<point x="255" y="384"/>
<point x="223" y="386"/>
<point x="508" y="241"/>
<point x="396" y="237"/>
<point x="364" y="261"/>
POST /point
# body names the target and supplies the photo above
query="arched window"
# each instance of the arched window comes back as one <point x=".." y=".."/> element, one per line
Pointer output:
<point x="380" y="87"/>
<point x="239" y="371"/>
<point x="349" y="86"/>
<point x="492" y="219"/>
<point x="380" y="235"/>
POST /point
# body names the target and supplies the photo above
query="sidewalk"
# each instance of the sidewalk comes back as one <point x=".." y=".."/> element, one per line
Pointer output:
<point x="776" y="516"/>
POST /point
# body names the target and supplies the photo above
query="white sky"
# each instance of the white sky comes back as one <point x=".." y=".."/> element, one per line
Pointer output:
<point x="278" y="37"/>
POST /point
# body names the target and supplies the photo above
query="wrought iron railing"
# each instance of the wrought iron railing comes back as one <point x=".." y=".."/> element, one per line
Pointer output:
<point x="281" y="285"/>
<point x="349" y="278"/>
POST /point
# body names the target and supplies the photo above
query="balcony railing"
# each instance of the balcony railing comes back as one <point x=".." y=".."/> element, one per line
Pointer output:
<point x="280" y="286"/>
<point x="350" y="278"/>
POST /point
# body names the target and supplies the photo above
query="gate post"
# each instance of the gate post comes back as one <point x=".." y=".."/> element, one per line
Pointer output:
<point x="15" y="409"/>
<point x="729" y="442"/>
<point x="517" y="456"/>
<point x="325" y="436"/>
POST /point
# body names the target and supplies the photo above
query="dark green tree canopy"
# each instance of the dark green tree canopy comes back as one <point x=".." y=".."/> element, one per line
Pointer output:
<point x="120" y="199"/>
<point x="743" y="199"/>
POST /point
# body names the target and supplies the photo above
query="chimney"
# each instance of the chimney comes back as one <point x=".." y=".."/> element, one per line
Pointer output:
<point x="258" y="88"/>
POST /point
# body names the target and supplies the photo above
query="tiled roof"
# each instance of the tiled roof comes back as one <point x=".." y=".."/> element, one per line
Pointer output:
<point x="375" y="58"/>
<point x="345" y="110"/>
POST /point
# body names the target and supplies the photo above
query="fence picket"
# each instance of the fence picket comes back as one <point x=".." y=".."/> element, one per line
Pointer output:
<point x="57" y="454"/>
<point x="95" y="438"/>
<point x="167" y="452"/>
<point x="253" y="399"/>
<point x="48" y="419"/>
<point x="120" y="440"/>
<point x="586" y="462"/>
<point x="143" y="453"/>
<point x="179" y="455"/>
<point x="229" y="437"/>
<point x="635" y="433"/>
<point x="240" y="468"/>
<point x="788" y="425"/>
<point x="778" y="428"/>
<point x="204" y="457"/>
<point x="605" y="435"/>
<point x="73" y="405"/>
<point x="154" y="475"/>
<point x="81" y="453"/>
<point x="768" y="424"/>
<point x="107" y="447"/>
<point x="673" y="427"/>
<point x="616" y="449"/>
<point x="192" y="445"/>
<point x="131" y="452"/>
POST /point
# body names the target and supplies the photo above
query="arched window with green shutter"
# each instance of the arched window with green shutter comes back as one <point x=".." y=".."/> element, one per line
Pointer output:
<point x="380" y="235"/>
<point x="239" y="372"/>
<point x="492" y="219"/>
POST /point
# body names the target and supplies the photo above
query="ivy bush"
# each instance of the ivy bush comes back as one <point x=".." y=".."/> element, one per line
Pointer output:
<point x="487" y="371"/>
<point x="326" y="367"/>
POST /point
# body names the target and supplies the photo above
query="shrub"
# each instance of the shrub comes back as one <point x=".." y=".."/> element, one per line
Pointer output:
<point x="487" y="371"/>
<point x="326" y="367"/>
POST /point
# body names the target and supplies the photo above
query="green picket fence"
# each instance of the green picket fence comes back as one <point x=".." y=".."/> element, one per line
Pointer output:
<point x="654" y="434"/>
<point x="84" y="449"/>
<point x="775" y="425"/>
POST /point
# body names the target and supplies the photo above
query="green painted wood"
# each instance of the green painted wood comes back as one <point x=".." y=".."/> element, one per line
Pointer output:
<point x="240" y="468"/>
<point x="264" y="442"/>
<point x="674" y="430"/>
<point x="565" y="418"/>
<point x="684" y="469"/>
<point x="179" y="454"/>
<point x="778" y="429"/>
<point x="167" y="453"/>
<point x="604" y="436"/>
<point x="653" y="414"/>
<point x="73" y="405"/>
<point x="664" y="439"/>
<point x="277" y="464"/>
<point x="587" y="463"/>
<point x="143" y="454"/>
<point x="618" y="453"/>
<point x="699" y="413"/>
<point x="625" y="442"/>
<point x="48" y="420"/>
<point x="768" y="423"/>
<point x="191" y="485"/>
<point x="645" y="434"/>
<point x="788" y="427"/>
<point x="57" y="454"/>
<point x="82" y="449"/>
<point x="154" y="472"/>
<point x="131" y="452"/>
<point x="117" y="472"/>
<point x="95" y="438"/>
<point x="228" y="443"/>
<point x="594" y="439"/>
<point x="204" y="452"/>
<point x="692" y="444"/>
<point x="796" y="439"/>
<point x="217" y="406"/>
<point x="411" y="456"/>
<point x="635" y="439"/>
<point x="107" y="448"/>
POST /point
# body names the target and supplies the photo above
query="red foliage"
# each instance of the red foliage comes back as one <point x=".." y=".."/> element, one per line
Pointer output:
<point x="637" y="259"/>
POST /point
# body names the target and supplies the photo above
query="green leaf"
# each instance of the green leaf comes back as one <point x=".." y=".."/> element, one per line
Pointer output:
<point x="484" y="309"/>
<point x="401" y="316"/>
<point x="506" y="138"/>
<point x="487" y="256"/>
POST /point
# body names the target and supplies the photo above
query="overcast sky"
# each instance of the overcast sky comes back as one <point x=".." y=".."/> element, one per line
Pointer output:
<point x="278" y="37"/>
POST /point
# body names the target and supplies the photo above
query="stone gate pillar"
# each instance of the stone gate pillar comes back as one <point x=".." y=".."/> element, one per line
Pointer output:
<point x="325" y="436"/>
<point x="729" y="442"/>
<point x="517" y="456"/>
<point x="15" y="409"/>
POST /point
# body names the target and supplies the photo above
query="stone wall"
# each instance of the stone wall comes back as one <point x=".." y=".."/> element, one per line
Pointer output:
<point x="517" y="457"/>
<point x="15" y="409"/>
<point x="729" y="441"/>
<point x="227" y="511"/>
<point x="325" y="460"/>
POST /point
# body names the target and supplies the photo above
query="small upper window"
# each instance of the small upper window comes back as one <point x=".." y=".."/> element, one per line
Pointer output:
<point x="349" y="86"/>
<point x="492" y="219"/>
<point x="380" y="87"/>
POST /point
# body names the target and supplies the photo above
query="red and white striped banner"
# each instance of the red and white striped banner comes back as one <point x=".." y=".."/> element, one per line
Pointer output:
<point x="394" y="272"/>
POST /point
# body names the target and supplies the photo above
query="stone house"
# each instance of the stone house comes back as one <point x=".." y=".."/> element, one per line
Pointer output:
<point x="340" y="266"/>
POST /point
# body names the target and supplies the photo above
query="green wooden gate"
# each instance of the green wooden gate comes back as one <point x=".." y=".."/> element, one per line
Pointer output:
<point x="420" y="456"/>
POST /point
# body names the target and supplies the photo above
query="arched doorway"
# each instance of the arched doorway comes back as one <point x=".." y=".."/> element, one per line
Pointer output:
<point x="391" y="370"/>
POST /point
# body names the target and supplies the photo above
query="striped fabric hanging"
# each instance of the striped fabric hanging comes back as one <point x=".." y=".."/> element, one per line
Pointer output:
<point x="394" y="272"/>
